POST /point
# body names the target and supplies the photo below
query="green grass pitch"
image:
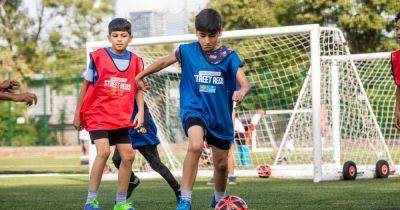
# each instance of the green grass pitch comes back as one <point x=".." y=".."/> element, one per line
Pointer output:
<point x="69" y="192"/>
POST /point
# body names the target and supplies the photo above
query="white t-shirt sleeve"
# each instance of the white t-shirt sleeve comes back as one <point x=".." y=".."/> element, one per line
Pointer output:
<point x="84" y="135"/>
<point x="89" y="73"/>
<point x="255" y="119"/>
<point x="239" y="126"/>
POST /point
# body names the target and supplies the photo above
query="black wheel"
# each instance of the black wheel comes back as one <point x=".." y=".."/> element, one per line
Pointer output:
<point x="349" y="170"/>
<point x="382" y="169"/>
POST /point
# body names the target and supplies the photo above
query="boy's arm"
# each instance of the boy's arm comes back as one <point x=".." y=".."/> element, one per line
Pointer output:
<point x="8" y="84"/>
<point x="139" y="118"/>
<point x="397" y="109"/>
<point x="77" y="118"/>
<point x="157" y="66"/>
<point x="241" y="78"/>
<point x="27" y="98"/>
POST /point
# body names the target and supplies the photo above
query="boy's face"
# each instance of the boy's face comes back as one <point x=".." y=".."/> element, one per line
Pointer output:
<point x="119" y="40"/>
<point x="398" y="31"/>
<point x="208" y="41"/>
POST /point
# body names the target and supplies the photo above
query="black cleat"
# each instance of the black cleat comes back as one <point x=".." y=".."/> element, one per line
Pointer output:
<point x="133" y="183"/>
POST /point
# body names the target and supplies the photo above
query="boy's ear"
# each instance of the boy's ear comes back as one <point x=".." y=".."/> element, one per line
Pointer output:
<point x="108" y="37"/>
<point x="219" y="33"/>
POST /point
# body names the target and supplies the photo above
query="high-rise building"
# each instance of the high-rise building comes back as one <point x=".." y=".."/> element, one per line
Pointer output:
<point x="147" y="23"/>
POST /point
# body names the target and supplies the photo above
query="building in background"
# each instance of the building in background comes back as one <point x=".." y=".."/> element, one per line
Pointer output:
<point x="147" y="23"/>
<point x="159" y="17"/>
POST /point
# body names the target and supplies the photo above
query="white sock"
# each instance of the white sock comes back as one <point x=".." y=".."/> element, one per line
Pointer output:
<point x="219" y="195"/>
<point x="186" y="194"/>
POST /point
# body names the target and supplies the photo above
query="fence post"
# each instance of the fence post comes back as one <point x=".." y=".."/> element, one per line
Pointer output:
<point x="77" y="88"/>
<point x="10" y="120"/>
<point x="44" y="118"/>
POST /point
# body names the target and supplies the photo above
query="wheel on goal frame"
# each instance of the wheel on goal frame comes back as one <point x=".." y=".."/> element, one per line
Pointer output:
<point x="382" y="169"/>
<point x="349" y="170"/>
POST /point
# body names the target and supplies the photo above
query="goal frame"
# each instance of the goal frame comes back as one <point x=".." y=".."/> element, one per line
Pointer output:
<point x="315" y="71"/>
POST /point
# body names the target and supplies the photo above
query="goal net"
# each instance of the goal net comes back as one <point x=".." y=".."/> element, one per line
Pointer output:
<point x="308" y="111"/>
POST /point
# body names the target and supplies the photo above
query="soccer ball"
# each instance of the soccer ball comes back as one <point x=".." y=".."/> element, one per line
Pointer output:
<point x="264" y="171"/>
<point x="231" y="203"/>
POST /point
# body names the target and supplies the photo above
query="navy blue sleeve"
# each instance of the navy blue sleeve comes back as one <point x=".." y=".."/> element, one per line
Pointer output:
<point x="178" y="54"/>
<point x="235" y="63"/>
<point x="234" y="66"/>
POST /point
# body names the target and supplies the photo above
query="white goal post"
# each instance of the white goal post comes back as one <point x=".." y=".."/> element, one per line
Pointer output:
<point x="315" y="110"/>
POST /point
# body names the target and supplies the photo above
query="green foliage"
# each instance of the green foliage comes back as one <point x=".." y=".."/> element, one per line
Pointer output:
<point x="44" y="43"/>
<point x="245" y="14"/>
<point x="23" y="134"/>
<point x="51" y="41"/>
<point x="364" y="23"/>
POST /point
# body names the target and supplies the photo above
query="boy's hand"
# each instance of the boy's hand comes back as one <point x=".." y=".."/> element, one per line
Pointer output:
<point x="138" y="121"/>
<point x="77" y="122"/>
<point x="238" y="96"/>
<point x="143" y="85"/>
<point x="397" y="120"/>
<point x="8" y="84"/>
<point x="27" y="98"/>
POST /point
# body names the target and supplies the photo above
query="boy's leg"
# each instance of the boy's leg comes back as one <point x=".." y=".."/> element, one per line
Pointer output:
<point x="195" y="131"/>
<point x="151" y="155"/>
<point x="231" y="163"/>
<point x="220" y="158"/>
<point x="190" y="164"/>
<point x="103" y="151"/>
<point x="134" y="180"/>
<point x="125" y="169"/>
<point x="231" y="167"/>
<point x="116" y="158"/>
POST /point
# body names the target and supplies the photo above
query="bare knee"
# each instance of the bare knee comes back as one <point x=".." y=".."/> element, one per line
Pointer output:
<point x="221" y="165"/>
<point x="128" y="156"/>
<point x="195" y="148"/>
<point x="103" y="153"/>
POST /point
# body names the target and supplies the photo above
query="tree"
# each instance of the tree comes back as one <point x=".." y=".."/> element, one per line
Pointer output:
<point x="55" y="36"/>
<point x="245" y="14"/>
<point x="366" y="24"/>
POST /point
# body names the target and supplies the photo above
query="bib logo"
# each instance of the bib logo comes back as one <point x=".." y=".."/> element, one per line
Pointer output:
<point x="117" y="85"/>
<point x="208" y="80"/>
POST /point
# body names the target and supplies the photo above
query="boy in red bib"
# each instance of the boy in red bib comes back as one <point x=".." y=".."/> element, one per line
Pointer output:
<point x="105" y="107"/>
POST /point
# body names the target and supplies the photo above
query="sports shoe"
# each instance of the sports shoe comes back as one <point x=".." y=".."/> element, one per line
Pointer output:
<point x="211" y="181"/>
<point x="184" y="204"/>
<point x="133" y="183"/>
<point x="232" y="180"/>
<point x="124" y="206"/>
<point x="92" y="205"/>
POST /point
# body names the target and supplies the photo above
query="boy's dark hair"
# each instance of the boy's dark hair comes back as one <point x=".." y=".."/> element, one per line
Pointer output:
<point x="208" y="20"/>
<point x="397" y="18"/>
<point x="119" y="24"/>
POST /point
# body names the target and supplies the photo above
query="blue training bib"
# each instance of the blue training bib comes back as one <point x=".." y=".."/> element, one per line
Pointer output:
<point x="144" y="139"/>
<point x="206" y="89"/>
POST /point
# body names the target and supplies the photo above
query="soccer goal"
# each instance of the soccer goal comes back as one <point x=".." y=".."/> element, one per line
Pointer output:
<point x="308" y="112"/>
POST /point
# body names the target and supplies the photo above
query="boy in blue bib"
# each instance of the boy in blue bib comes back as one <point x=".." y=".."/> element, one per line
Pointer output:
<point x="146" y="142"/>
<point x="207" y="92"/>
